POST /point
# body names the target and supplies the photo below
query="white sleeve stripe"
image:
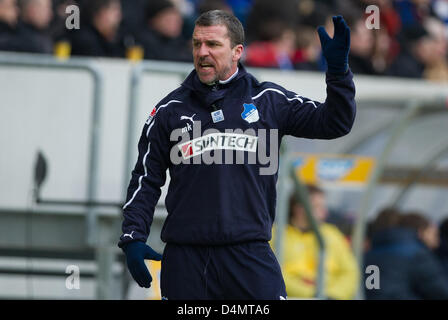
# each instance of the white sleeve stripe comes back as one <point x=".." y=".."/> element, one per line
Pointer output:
<point x="312" y="102"/>
<point x="160" y="107"/>
<point x="140" y="178"/>
<point x="146" y="154"/>
<point x="278" y="91"/>
<point x="149" y="128"/>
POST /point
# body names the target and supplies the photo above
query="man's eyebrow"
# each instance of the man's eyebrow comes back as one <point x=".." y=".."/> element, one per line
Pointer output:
<point x="207" y="41"/>
<point x="213" y="42"/>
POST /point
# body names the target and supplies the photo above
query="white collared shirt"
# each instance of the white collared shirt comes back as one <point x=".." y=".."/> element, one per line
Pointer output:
<point x="231" y="77"/>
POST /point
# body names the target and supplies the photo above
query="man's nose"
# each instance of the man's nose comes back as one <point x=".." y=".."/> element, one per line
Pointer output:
<point x="203" y="50"/>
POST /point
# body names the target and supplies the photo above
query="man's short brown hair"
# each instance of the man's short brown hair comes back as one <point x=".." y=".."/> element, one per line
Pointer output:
<point x="235" y="29"/>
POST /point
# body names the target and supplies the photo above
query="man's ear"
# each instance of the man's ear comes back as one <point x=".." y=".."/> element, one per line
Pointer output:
<point x="238" y="52"/>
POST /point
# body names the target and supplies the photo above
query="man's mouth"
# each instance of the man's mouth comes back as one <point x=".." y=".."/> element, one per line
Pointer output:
<point x="206" y="66"/>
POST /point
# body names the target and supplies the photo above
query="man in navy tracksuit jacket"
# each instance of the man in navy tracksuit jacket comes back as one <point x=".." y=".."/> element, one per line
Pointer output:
<point x="220" y="212"/>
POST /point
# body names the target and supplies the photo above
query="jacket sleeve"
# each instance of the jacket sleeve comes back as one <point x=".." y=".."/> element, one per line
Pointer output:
<point x="302" y="117"/>
<point x="147" y="178"/>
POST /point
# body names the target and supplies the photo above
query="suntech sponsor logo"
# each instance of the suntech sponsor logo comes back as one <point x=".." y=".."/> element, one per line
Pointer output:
<point x="218" y="141"/>
<point x="231" y="147"/>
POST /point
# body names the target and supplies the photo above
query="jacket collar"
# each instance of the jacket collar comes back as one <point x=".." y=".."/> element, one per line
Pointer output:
<point x="192" y="81"/>
<point x="230" y="78"/>
<point x="210" y="94"/>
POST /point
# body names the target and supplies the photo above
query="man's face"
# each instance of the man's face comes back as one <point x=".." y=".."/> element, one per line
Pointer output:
<point x="39" y="13"/>
<point x="168" y="22"/>
<point x="430" y="236"/>
<point x="214" y="58"/>
<point x="9" y="12"/>
<point x="110" y="17"/>
<point x="319" y="204"/>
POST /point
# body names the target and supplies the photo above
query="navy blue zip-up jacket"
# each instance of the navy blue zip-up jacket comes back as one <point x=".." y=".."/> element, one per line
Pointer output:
<point x="221" y="203"/>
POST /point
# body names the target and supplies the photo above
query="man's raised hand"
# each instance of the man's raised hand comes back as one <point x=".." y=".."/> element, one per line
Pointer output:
<point x="336" y="49"/>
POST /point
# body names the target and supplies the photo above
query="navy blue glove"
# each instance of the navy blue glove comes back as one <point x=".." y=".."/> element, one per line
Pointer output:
<point x="136" y="253"/>
<point x="336" y="50"/>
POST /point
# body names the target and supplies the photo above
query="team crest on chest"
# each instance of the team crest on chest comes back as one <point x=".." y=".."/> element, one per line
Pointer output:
<point x="217" y="116"/>
<point x="250" y="113"/>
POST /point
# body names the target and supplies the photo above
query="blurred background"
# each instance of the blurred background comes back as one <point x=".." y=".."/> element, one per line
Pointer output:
<point x="74" y="96"/>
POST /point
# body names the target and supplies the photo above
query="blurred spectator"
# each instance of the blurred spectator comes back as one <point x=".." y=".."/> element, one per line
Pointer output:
<point x="275" y="49"/>
<point x="9" y="15"/>
<point x="416" y="53"/>
<point x="301" y="253"/>
<point x="361" y="44"/>
<point x="383" y="51"/>
<point x="133" y="12"/>
<point x="440" y="8"/>
<point x="391" y="23"/>
<point x="408" y="269"/>
<point x="309" y="50"/>
<point x="264" y="12"/>
<point x="308" y="55"/>
<point x="57" y="27"/>
<point x="35" y="17"/>
<point x="442" y="250"/>
<point x="389" y="17"/>
<point x="162" y="36"/>
<point x="99" y="33"/>
<point x="207" y="5"/>
<point x="240" y="8"/>
<point x="437" y="68"/>
<point x="189" y="10"/>
<point x="385" y="220"/>
<point x="411" y="41"/>
<point x="412" y="11"/>
<point x="426" y="231"/>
